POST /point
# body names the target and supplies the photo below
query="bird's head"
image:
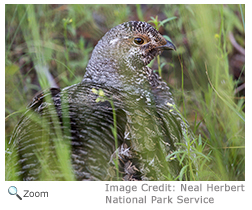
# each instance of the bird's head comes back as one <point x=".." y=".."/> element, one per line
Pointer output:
<point x="129" y="46"/>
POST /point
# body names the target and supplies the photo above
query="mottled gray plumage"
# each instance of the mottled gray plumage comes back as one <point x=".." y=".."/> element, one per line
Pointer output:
<point x="147" y="126"/>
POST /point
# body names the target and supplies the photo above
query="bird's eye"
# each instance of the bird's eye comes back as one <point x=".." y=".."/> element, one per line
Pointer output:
<point x="138" y="41"/>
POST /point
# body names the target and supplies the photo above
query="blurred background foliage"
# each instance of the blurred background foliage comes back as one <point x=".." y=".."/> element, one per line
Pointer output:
<point x="206" y="73"/>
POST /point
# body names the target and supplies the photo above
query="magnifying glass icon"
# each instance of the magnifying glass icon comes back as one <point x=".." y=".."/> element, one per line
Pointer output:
<point x="13" y="191"/>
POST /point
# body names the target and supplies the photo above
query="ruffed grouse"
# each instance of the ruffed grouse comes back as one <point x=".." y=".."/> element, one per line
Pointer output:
<point x="148" y="127"/>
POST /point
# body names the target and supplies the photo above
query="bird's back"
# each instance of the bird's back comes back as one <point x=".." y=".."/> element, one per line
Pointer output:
<point x="71" y="118"/>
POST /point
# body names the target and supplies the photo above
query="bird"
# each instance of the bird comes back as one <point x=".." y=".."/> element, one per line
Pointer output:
<point x="119" y="121"/>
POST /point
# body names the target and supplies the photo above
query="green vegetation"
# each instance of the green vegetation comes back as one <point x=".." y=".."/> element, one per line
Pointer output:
<point x="102" y="98"/>
<point x="205" y="73"/>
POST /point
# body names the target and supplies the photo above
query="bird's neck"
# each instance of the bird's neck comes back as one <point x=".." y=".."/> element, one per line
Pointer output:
<point x="141" y="84"/>
<point x="110" y="73"/>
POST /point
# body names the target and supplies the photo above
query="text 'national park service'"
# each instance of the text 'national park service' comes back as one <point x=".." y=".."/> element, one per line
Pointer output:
<point x="166" y="193"/>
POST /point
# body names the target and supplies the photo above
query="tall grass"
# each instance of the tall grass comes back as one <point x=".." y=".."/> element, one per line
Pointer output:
<point x="223" y="118"/>
<point x="39" y="36"/>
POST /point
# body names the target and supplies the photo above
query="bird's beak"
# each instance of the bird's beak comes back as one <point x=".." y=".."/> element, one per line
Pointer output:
<point x="167" y="46"/>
